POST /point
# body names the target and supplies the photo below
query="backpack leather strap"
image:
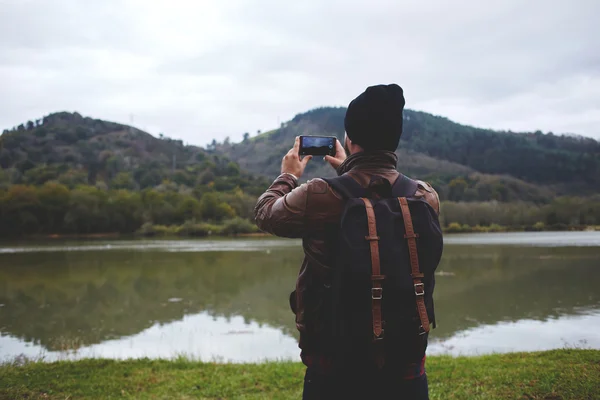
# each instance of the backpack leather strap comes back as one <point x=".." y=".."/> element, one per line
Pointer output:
<point x="416" y="274"/>
<point x="376" y="277"/>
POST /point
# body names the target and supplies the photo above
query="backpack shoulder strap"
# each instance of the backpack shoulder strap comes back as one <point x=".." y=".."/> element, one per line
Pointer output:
<point x="346" y="186"/>
<point x="376" y="282"/>
<point x="404" y="187"/>
<point x="416" y="273"/>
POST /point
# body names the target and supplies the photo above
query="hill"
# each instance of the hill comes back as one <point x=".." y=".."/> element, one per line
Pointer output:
<point x="79" y="150"/>
<point x="463" y="162"/>
<point x="67" y="174"/>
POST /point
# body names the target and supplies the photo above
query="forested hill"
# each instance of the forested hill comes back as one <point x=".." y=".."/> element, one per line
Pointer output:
<point x="66" y="174"/>
<point x="72" y="150"/>
<point x="465" y="163"/>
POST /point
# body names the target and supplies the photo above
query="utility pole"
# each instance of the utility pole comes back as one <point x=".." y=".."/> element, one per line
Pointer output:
<point x="131" y="124"/>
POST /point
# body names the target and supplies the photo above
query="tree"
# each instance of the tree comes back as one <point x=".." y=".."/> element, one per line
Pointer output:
<point x="123" y="180"/>
<point x="189" y="208"/>
<point x="125" y="211"/>
<point x="20" y="210"/>
<point x="5" y="158"/>
<point x="246" y="137"/>
<point x="212" y="209"/>
<point x="182" y="178"/>
<point x="112" y="164"/>
<point x="4" y="179"/>
<point x="456" y="189"/>
<point x="54" y="204"/>
<point x="150" y="178"/>
<point x="73" y="178"/>
<point x="232" y="169"/>
<point x="40" y="174"/>
<point x="212" y="146"/>
<point x="206" y="177"/>
<point x="87" y="211"/>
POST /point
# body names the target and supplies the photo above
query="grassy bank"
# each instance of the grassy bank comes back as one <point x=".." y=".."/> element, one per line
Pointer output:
<point x="234" y="226"/>
<point x="559" y="374"/>
<point x="455" y="227"/>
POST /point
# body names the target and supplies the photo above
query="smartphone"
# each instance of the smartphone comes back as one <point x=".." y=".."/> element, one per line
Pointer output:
<point x="317" y="145"/>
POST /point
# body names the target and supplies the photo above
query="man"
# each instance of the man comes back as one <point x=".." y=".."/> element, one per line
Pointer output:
<point x="373" y="125"/>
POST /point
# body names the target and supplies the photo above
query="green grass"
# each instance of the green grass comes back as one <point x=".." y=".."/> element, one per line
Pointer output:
<point x="559" y="374"/>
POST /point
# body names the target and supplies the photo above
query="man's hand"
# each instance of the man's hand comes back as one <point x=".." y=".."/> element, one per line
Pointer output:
<point x="291" y="163"/>
<point x="340" y="156"/>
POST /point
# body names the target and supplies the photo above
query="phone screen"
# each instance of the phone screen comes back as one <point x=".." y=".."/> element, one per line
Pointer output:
<point x="317" y="145"/>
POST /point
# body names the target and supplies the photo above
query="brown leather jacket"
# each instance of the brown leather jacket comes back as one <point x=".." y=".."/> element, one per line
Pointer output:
<point x="306" y="212"/>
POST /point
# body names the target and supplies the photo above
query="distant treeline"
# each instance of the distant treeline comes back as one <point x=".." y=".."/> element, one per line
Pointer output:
<point x="560" y="214"/>
<point x="484" y="164"/>
<point x="54" y="208"/>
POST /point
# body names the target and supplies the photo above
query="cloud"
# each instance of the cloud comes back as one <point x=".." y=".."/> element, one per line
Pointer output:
<point x="199" y="70"/>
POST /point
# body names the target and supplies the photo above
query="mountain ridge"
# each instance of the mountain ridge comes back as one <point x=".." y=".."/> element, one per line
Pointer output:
<point x="75" y="150"/>
<point x="464" y="163"/>
<point x="439" y="150"/>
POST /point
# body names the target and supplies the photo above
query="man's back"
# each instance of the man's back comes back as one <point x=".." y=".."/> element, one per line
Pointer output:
<point x="312" y="212"/>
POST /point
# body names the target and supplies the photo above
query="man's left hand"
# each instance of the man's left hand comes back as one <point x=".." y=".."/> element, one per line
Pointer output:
<point x="291" y="163"/>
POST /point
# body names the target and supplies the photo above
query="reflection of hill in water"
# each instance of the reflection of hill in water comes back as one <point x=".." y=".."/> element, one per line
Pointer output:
<point x="93" y="296"/>
<point x="493" y="283"/>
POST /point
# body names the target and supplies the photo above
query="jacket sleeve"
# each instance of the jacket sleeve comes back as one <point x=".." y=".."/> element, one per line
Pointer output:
<point x="281" y="209"/>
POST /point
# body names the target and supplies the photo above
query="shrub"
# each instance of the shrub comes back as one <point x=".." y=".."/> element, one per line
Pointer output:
<point x="538" y="226"/>
<point x="496" y="228"/>
<point x="559" y="227"/>
<point x="480" y="229"/>
<point x="191" y="228"/>
<point x="157" y="230"/>
<point x="454" y="227"/>
<point x="236" y="226"/>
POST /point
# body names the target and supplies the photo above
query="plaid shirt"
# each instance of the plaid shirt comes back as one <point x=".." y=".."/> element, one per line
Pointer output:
<point x="324" y="365"/>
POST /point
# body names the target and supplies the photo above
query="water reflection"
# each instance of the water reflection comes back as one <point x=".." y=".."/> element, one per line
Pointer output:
<point x="200" y="337"/>
<point x="102" y="297"/>
<point x="89" y="297"/>
<point x="581" y="331"/>
<point x="148" y="245"/>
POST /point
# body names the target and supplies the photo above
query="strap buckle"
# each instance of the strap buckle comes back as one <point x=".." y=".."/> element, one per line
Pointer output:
<point x="376" y="293"/>
<point x="422" y="330"/>
<point x="380" y="337"/>
<point x="421" y="287"/>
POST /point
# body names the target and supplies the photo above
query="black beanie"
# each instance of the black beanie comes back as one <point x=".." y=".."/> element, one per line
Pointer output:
<point x="374" y="119"/>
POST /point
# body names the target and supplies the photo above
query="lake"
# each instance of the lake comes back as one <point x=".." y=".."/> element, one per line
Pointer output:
<point x="227" y="300"/>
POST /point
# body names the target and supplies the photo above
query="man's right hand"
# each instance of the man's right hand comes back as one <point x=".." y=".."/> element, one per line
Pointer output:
<point x="340" y="156"/>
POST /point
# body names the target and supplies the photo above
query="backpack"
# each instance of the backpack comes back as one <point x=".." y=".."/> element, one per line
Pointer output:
<point x="385" y="252"/>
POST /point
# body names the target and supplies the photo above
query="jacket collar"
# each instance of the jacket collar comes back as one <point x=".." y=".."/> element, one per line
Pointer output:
<point x="379" y="159"/>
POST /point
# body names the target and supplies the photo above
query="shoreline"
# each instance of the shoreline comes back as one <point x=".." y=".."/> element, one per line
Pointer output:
<point x="117" y="235"/>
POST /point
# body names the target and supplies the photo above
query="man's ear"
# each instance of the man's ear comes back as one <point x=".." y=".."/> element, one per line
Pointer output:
<point x="352" y="148"/>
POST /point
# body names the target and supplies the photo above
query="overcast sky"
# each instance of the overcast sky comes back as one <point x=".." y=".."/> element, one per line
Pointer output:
<point x="198" y="70"/>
